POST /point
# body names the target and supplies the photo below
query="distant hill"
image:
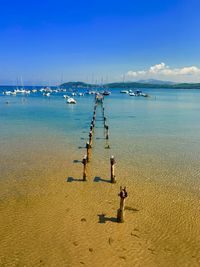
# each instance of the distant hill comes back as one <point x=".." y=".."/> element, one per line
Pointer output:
<point x="153" y="81"/>
<point x="134" y="85"/>
<point x="74" y="84"/>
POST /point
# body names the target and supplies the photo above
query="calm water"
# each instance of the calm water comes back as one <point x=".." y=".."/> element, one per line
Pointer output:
<point x="157" y="137"/>
<point x="156" y="144"/>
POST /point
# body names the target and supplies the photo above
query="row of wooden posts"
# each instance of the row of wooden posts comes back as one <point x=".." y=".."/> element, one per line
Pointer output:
<point x="86" y="159"/>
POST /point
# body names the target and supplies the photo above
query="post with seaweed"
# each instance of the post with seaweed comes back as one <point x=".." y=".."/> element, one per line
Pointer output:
<point x="84" y="161"/>
<point x="120" y="213"/>
<point x="112" y="167"/>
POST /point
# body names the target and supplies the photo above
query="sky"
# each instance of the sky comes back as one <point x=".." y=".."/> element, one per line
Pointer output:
<point x="49" y="42"/>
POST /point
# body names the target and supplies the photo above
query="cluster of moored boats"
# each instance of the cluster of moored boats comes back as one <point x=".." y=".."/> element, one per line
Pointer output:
<point x="47" y="91"/>
<point x="135" y="93"/>
<point x="71" y="100"/>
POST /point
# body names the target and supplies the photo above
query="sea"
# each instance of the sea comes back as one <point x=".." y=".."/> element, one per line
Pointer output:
<point x="159" y="135"/>
<point x="49" y="217"/>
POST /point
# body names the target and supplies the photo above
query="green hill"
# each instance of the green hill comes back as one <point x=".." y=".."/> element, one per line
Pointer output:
<point x="133" y="85"/>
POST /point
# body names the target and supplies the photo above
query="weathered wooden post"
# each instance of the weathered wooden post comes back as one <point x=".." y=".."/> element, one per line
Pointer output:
<point x="120" y="213"/>
<point x="104" y="121"/>
<point x="88" y="146"/>
<point x="112" y="167"/>
<point x="84" y="161"/>
<point x="107" y="132"/>
<point x="90" y="138"/>
<point x="103" y="111"/>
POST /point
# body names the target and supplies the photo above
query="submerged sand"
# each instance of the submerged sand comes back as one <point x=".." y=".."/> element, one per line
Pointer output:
<point x="49" y="217"/>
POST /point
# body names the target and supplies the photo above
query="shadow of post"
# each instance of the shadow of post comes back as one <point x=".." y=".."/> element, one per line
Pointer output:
<point x="72" y="179"/>
<point x="99" y="179"/>
<point x="104" y="219"/>
<point x="77" y="161"/>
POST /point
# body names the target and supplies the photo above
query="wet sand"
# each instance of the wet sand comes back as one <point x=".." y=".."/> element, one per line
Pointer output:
<point x="51" y="218"/>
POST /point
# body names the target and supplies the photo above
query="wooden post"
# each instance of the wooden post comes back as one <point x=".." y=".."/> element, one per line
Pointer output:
<point x="104" y="121"/>
<point x="112" y="163"/>
<point x="107" y="132"/>
<point x="120" y="213"/>
<point x="90" y="138"/>
<point x="84" y="161"/>
<point x="88" y="146"/>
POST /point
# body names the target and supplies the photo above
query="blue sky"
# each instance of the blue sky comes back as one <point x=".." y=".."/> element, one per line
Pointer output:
<point x="46" y="41"/>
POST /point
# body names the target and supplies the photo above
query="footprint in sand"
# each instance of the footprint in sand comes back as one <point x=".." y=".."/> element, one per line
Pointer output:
<point x="110" y="240"/>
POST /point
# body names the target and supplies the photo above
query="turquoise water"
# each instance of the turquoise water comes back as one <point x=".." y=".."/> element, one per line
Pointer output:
<point x="154" y="138"/>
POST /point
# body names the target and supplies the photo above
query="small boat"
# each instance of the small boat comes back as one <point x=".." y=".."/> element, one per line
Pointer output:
<point x="46" y="94"/>
<point x="65" y="96"/>
<point x="124" y="91"/>
<point x="81" y="94"/>
<point x="132" y="94"/>
<point x="92" y="93"/>
<point x="7" y="93"/>
<point x="138" y="92"/>
<point x="13" y="93"/>
<point x="106" y="93"/>
<point x="71" y="100"/>
<point x="144" y="95"/>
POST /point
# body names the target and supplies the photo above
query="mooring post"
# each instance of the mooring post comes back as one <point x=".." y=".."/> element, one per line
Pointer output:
<point x="90" y="138"/>
<point x="120" y="213"/>
<point x="88" y="146"/>
<point x="104" y="121"/>
<point x="112" y="167"/>
<point x="107" y="132"/>
<point x="84" y="161"/>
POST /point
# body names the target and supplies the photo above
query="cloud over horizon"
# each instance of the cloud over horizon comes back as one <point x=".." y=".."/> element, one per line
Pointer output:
<point x="162" y="70"/>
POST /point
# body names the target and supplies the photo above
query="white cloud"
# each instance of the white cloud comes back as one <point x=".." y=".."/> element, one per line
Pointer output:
<point x="162" y="69"/>
<point x="157" y="68"/>
<point x="136" y="73"/>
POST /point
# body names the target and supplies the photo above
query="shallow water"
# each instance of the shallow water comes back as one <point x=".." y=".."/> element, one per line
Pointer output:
<point x="156" y="143"/>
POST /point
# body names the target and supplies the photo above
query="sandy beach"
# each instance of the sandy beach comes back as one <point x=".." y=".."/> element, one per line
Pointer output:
<point x="49" y="217"/>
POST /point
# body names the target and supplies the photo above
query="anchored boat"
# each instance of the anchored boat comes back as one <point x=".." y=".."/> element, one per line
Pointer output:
<point x="71" y="100"/>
